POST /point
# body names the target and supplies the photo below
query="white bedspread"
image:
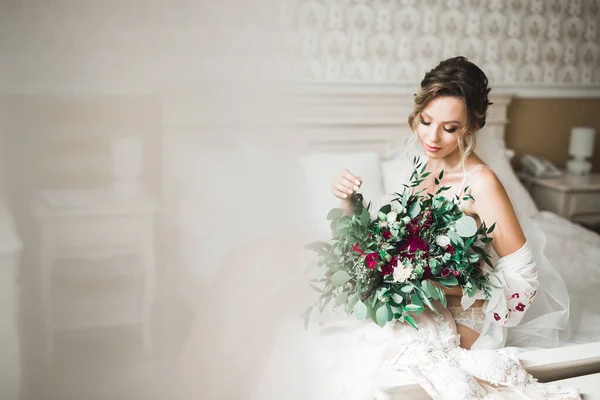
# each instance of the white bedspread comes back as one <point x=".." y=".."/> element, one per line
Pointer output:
<point x="575" y="251"/>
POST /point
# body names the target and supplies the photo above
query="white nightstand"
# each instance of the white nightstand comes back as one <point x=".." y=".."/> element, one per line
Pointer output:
<point x="94" y="225"/>
<point x="574" y="197"/>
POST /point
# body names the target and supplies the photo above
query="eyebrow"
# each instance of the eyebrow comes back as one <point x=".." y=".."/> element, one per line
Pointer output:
<point x="443" y="123"/>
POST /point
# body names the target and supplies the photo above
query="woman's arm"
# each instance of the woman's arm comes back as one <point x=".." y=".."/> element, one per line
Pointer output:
<point x="492" y="205"/>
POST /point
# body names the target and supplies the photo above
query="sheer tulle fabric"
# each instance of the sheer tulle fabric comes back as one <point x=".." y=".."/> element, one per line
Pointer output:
<point x="546" y="323"/>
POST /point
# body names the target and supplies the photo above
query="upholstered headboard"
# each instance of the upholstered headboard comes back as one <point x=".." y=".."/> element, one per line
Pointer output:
<point x="368" y="120"/>
<point x="327" y="130"/>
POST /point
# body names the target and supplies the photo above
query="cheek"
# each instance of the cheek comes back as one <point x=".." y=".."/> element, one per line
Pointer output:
<point x="422" y="131"/>
<point x="451" y="140"/>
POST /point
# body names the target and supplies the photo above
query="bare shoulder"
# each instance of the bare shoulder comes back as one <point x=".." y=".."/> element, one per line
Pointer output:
<point x="493" y="206"/>
<point x="485" y="183"/>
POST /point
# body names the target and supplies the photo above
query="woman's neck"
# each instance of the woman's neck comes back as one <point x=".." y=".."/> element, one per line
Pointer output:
<point x="448" y="163"/>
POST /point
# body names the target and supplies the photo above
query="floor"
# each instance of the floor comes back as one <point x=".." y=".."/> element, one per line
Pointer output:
<point x="106" y="363"/>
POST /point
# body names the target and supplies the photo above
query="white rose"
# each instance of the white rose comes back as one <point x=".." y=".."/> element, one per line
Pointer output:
<point x="383" y="224"/>
<point x="442" y="240"/>
<point x="406" y="219"/>
<point x="402" y="273"/>
<point x="392" y="216"/>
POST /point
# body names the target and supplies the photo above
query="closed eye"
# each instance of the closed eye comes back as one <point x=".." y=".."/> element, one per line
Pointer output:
<point x="425" y="123"/>
<point x="450" y="130"/>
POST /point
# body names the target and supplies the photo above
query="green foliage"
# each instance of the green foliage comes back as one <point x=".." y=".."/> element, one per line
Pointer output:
<point x="350" y="267"/>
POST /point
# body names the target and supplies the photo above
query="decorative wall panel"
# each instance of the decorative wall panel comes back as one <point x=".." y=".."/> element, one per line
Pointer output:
<point x="532" y="42"/>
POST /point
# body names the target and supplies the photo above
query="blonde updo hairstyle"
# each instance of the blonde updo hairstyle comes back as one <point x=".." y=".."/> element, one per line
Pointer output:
<point x="456" y="77"/>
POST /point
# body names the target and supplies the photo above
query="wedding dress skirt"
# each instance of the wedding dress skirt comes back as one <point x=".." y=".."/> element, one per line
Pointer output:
<point x="340" y="357"/>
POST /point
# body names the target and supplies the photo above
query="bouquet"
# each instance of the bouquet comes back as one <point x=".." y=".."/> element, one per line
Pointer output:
<point x="393" y="266"/>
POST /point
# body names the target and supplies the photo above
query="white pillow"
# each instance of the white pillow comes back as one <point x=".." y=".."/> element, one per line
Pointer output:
<point x="320" y="170"/>
<point x="396" y="172"/>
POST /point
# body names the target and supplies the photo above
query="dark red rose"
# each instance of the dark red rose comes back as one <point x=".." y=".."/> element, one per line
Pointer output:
<point x="427" y="273"/>
<point x="371" y="260"/>
<point x="496" y="317"/>
<point x="412" y="228"/>
<point x="445" y="272"/>
<point x="456" y="273"/>
<point x="450" y="249"/>
<point x="386" y="235"/>
<point x="520" y="307"/>
<point x="387" y="269"/>
<point x="411" y="244"/>
<point x="515" y="296"/>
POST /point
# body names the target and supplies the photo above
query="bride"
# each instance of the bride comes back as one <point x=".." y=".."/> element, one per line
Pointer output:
<point x="458" y="354"/>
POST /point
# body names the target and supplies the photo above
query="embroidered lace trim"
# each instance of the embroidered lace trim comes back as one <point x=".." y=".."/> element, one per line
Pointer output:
<point x="472" y="317"/>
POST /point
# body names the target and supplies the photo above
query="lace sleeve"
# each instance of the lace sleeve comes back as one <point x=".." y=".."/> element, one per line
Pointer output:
<point x="515" y="283"/>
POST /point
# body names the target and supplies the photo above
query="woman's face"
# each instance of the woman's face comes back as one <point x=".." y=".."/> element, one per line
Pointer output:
<point x="439" y="126"/>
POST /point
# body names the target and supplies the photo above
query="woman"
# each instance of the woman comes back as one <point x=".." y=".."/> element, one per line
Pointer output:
<point x="449" y="110"/>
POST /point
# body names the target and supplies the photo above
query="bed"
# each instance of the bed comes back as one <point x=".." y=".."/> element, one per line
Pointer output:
<point x="354" y="134"/>
<point x="365" y="131"/>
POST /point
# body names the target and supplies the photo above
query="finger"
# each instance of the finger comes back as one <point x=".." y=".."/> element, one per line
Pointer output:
<point x="340" y="195"/>
<point x="348" y="184"/>
<point x="342" y="188"/>
<point x="352" y="178"/>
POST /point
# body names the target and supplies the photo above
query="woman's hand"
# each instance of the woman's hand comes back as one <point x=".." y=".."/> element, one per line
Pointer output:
<point x="345" y="184"/>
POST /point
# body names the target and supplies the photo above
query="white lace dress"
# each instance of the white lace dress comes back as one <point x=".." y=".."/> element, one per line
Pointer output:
<point x="339" y="357"/>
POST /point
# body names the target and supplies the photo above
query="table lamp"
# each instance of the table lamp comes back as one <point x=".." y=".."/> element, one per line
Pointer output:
<point x="581" y="147"/>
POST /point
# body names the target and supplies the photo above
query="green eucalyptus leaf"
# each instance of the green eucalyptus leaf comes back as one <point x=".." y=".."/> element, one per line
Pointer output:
<point x="365" y="218"/>
<point x="340" y="277"/>
<point x="416" y="299"/>
<point x="443" y="299"/>
<point x="411" y="321"/>
<point x="397" y="298"/>
<point x="407" y="288"/>
<point x="455" y="238"/>
<point x="448" y="281"/>
<point x="341" y="298"/>
<point x="351" y="302"/>
<point x="466" y="226"/>
<point x="360" y="310"/>
<point x="429" y="289"/>
<point x="335" y="213"/>
<point x="386" y="209"/>
<point x="383" y="315"/>
<point x="414" y="209"/>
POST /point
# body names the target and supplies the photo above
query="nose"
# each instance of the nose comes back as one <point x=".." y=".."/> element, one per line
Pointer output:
<point x="433" y="134"/>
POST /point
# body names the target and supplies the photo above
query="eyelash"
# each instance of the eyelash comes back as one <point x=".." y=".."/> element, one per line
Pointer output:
<point x="451" y="130"/>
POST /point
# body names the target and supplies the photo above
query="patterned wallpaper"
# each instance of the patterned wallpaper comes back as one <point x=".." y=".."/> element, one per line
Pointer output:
<point x="545" y="42"/>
